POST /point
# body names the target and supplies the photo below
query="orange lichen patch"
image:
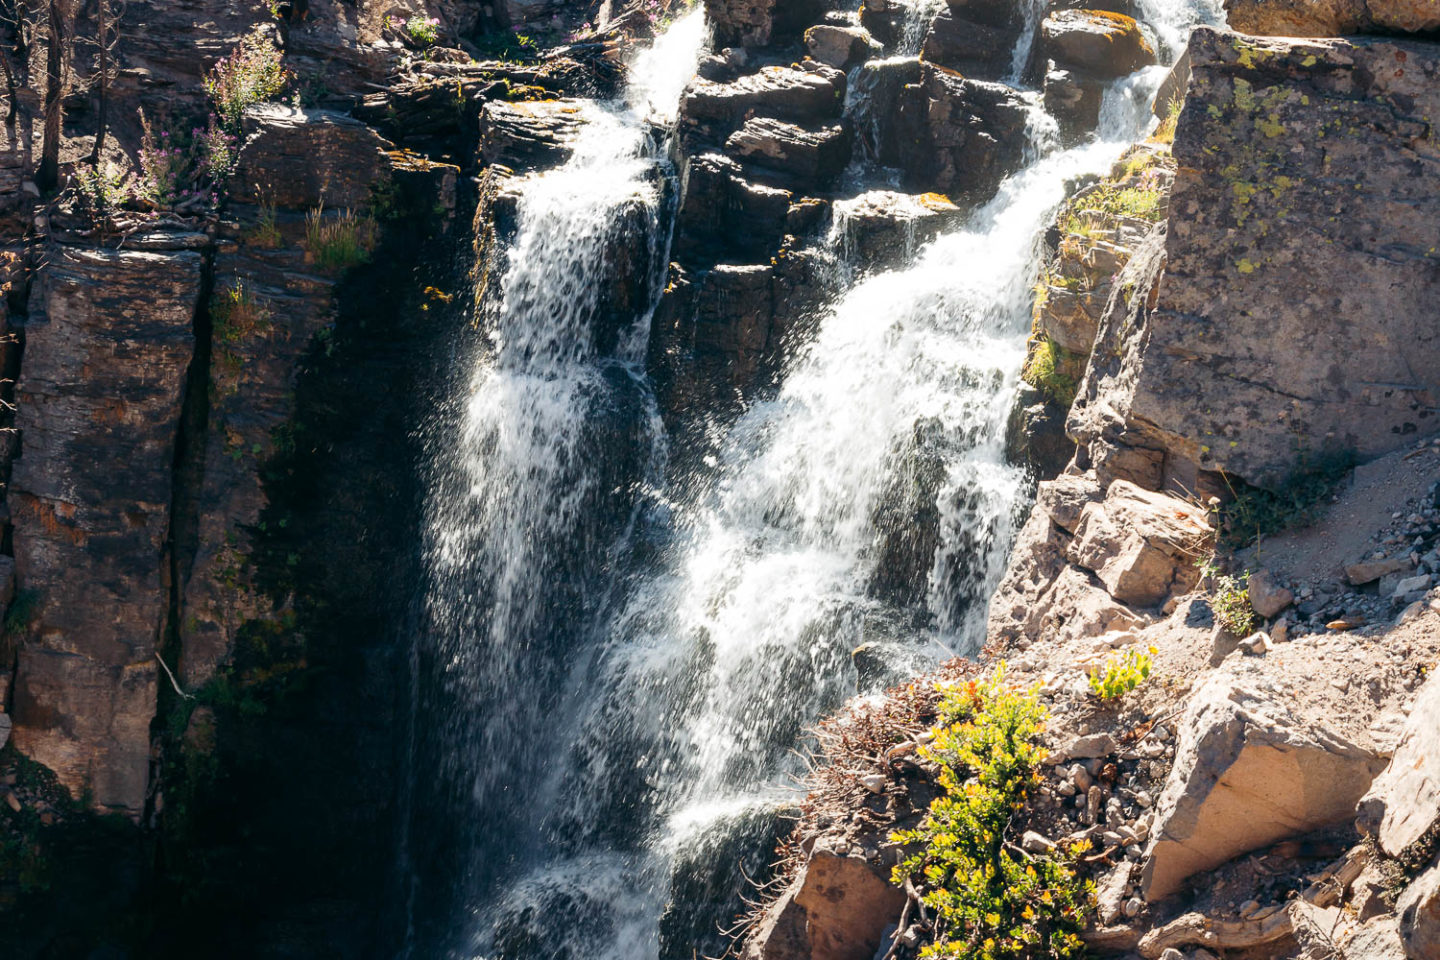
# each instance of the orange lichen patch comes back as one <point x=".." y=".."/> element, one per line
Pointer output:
<point x="935" y="201"/>
<point x="1119" y="19"/>
<point x="111" y="410"/>
<point x="54" y="517"/>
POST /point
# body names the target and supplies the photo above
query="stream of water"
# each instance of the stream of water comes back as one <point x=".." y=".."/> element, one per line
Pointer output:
<point x="628" y="658"/>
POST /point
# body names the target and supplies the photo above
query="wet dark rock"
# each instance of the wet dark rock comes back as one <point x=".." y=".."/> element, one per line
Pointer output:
<point x="1074" y="101"/>
<point x="814" y="157"/>
<point x="1095" y="43"/>
<point x="758" y="23"/>
<point x="1035" y="434"/>
<point x="878" y="88"/>
<point x="884" y="19"/>
<point x="724" y="215"/>
<point x="881" y="228"/>
<point x="529" y="136"/>
<point x="811" y="92"/>
<point x="956" y="136"/>
<point x="907" y="517"/>
<point x="979" y="50"/>
<point x="718" y="335"/>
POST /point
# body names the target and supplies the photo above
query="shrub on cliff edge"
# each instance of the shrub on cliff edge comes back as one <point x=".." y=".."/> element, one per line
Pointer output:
<point x="991" y="900"/>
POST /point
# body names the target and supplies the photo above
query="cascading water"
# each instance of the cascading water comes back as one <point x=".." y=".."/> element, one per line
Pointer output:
<point x="628" y="666"/>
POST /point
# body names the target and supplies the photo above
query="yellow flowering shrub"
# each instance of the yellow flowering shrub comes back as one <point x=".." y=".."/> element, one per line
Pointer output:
<point x="991" y="900"/>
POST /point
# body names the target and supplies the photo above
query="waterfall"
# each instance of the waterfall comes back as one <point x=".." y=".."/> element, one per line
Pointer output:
<point x="627" y="659"/>
<point x="918" y="15"/>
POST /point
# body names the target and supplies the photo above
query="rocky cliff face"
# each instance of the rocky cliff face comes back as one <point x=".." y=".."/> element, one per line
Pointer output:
<point x="1223" y="326"/>
<point x="209" y="504"/>
<point x="217" y="420"/>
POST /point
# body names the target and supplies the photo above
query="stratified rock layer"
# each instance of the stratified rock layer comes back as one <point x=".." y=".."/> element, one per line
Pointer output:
<point x="108" y="344"/>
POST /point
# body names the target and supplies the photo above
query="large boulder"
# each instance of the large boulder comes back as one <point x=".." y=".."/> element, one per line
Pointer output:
<point x="978" y="50"/>
<point x="841" y="47"/>
<point x="1095" y="43"/>
<point x="957" y="136"/>
<point x="1247" y="773"/>
<point x="1279" y="191"/>
<point x="1142" y="545"/>
<point x="836" y="909"/>
<point x="1403" y="805"/>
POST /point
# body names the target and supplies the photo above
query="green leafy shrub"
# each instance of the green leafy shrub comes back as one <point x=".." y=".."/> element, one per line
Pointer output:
<point x="423" y="30"/>
<point x="1231" y="604"/>
<point x="251" y="74"/>
<point x="991" y="901"/>
<point x="339" y="242"/>
<point x="1047" y="369"/>
<point x="1121" y="674"/>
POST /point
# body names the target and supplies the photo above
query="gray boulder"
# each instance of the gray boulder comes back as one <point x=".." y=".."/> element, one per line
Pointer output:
<point x="1247" y="773"/>
<point x="841" y="47"/>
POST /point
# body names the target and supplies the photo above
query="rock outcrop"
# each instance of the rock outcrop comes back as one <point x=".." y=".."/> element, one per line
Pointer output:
<point x="1331" y="18"/>
<point x="1402" y="808"/>
<point x="109" y="341"/>
<point x="1247" y="773"/>
<point x="758" y="23"/>
<point x="1419" y="912"/>
<point x="837" y="908"/>
<point x="1251" y="376"/>
<point x="1142" y="546"/>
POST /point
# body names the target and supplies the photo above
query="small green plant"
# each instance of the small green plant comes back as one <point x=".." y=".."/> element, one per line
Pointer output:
<point x="1231" y="604"/>
<point x="337" y="243"/>
<point x="1047" y="370"/>
<point x="238" y="313"/>
<point x="266" y="232"/>
<point x="103" y="191"/>
<point x="1142" y="202"/>
<point x="990" y="900"/>
<point x="1121" y="674"/>
<point x="1165" y="133"/>
<point x="251" y="74"/>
